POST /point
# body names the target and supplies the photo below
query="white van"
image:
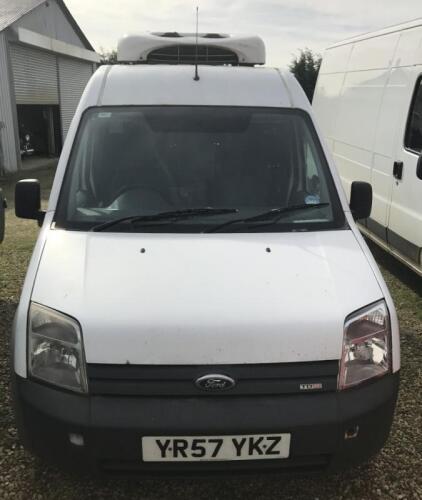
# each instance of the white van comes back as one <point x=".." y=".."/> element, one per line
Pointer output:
<point x="199" y="298"/>
<point x="368" y="102"/>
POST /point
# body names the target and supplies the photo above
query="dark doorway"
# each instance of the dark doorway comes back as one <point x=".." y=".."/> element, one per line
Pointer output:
<point x="39" y="130"/>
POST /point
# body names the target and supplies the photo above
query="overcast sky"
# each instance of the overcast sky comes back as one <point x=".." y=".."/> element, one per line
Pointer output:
<point x="285" y="25"/>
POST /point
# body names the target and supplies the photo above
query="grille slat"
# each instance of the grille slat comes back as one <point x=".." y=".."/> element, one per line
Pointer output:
<point x="259" y="379"/>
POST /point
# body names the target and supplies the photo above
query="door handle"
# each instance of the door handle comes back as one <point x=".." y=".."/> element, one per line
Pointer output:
<point x="398" y="170"/>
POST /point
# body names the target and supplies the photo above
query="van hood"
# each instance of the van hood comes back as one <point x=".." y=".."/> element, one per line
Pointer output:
<point x="206" y="299"/>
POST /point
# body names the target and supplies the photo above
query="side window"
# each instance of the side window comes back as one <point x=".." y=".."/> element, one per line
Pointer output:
<point x="311" y="167"/>
<point x="312" y="170"/>
<point x="413" y="137"/>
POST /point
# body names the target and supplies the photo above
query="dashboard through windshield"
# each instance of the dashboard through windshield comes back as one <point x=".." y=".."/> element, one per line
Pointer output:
<point x="212" y="166"/>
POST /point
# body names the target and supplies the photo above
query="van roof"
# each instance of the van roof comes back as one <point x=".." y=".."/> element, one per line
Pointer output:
<point x="174" y="85"/>
<point x="384" y="31"/>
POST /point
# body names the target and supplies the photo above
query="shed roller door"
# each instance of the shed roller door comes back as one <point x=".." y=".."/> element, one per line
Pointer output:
<point x="34" y="75"/>
<point x="73" y="77"/>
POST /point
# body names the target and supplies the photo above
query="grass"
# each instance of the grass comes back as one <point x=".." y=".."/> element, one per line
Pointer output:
<point x="395" y="473"/>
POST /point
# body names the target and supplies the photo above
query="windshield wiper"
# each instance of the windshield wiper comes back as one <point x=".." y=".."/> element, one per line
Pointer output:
<point x="274" y="215"/>
<point x="174" y="215"/>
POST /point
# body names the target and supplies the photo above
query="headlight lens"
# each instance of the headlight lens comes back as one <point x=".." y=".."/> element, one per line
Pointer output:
<point x="55" y="349"/>
<point x="366" y="346"/>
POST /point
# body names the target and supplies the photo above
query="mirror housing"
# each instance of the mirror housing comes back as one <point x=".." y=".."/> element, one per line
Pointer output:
<point x="361" y="200"/>
<point x="28" y="200"/>
<point x="3" y="206"/>
<point x="419" y="167"/>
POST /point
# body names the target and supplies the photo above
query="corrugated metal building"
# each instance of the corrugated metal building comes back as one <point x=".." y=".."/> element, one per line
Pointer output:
<point x="45" y="63"/>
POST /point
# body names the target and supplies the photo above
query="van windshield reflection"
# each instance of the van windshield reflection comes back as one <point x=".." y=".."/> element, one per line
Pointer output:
<point x="140" y="162"/>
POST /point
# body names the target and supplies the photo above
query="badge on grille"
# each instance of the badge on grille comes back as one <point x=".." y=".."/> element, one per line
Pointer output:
<point x="215" y="383"/>
<point x="310" y="387"/>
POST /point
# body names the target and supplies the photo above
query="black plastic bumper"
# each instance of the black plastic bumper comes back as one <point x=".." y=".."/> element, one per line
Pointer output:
<point x="112" y="427"/>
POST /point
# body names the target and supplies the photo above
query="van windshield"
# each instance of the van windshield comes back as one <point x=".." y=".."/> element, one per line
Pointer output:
<point x="217" y="164"/>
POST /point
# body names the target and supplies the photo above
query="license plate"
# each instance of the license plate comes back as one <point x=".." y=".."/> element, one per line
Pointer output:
<point x="215" y="448"/>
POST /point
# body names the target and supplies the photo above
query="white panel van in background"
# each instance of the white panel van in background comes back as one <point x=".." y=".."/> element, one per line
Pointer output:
<point x="368" y="102"/>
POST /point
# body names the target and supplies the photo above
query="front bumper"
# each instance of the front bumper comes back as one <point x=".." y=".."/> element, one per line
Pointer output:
<point x="112" y="427"/>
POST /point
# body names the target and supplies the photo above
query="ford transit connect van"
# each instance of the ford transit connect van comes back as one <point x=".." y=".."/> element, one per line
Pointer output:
<point x="199" y="298"/>
<point x="368" y="101"/>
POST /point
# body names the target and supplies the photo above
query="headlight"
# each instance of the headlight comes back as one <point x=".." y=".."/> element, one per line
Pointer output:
<point x="55" y="349"/>
<point x="366" y="346"/>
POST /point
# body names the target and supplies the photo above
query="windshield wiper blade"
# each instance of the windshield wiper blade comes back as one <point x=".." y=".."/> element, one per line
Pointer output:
<point x="175" y="215"/>
<point x="274" y="215"/>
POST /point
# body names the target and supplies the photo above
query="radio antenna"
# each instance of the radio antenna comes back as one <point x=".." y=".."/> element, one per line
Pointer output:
<point x="196" y="78"/>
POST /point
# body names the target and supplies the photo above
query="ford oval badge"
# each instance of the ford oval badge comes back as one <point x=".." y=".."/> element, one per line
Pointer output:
<point x="215" y="383"/>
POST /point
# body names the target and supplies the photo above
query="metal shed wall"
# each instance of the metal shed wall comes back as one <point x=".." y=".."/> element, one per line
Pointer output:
<point x="34" y="75"/>
<point x="73" y="77"/>
<point x="8" y="156"/>
<point x="48" y="19"/>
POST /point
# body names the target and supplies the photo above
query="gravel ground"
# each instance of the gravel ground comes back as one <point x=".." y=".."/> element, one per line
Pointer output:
<point x="395" y="473"/>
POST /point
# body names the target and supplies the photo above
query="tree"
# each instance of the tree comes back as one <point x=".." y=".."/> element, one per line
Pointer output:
<point x="305" y="68"/>
<point x="108" y="56"/>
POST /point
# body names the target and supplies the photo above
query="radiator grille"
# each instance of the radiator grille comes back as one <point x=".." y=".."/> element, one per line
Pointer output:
<point x="179" y="380"/>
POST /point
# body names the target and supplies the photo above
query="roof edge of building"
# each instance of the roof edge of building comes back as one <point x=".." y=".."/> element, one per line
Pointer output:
<point x="66" y="13"/>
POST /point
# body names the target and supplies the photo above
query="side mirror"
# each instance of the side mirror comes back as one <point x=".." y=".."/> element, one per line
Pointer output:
<point x="3" y="206"/>
<point x="28" y="200"/>
<point x="361" y="200"/>
<point x="419" y="168"/>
